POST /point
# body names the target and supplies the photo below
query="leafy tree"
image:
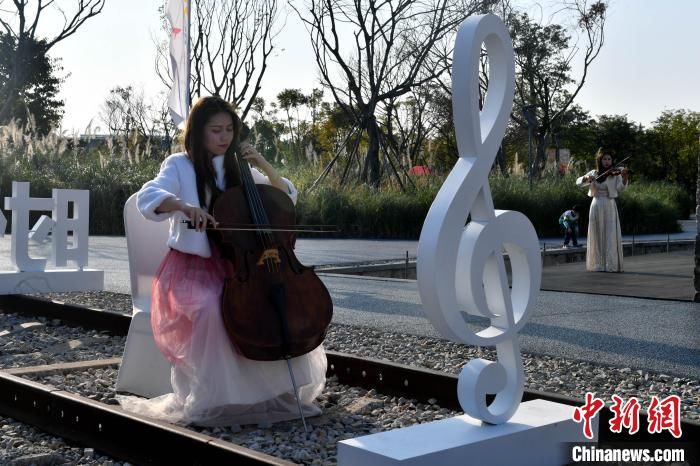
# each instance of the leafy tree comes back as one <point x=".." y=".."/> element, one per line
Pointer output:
<point x="266" y="130"/>
<point x="266" y="138"/>
<point x="290" y="99"/>
<point x="36" y="98"/>
<point x="21" y="22"/>
<point x="258" y="106"/>
<point x="673" y="141"/>
<point x="314" y="101"/>
<point x="622" y="137"/>
<point x="578" y="133"/>
<point x="334" y="130"/>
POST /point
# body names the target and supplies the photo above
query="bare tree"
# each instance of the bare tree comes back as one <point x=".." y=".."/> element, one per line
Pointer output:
<point x="378" y="48"/>
<point x="543" y="66"/>
<point x="21" y="22"/>
<point x="409" y="125"/>
<point x="125" y="111"/>
<point x="231" y="41"/>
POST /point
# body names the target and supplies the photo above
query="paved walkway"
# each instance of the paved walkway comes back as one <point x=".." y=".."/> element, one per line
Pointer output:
<point x="641" y="333"/>
<point x="660" y="276"/>
<point x="108" y="253"/>
<point x="662" y="336"/>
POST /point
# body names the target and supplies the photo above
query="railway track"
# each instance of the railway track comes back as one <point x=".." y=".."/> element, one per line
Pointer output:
<point x="138" y="440"/>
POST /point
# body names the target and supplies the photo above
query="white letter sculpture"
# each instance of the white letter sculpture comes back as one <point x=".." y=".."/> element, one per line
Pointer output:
<point x="30" y="274"/>
<point x="461" y="269"/>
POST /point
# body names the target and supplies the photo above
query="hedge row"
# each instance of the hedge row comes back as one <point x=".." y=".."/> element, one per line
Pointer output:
<point x="365" y="213"/>
<point x="362" y="212"/>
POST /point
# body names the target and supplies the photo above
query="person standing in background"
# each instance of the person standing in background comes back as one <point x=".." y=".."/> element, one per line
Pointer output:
<point x="604" y="241"/>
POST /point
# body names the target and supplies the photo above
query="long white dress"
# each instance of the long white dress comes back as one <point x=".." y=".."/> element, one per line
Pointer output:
<point x="214" y="385"/>
<point x="604" y="241"/>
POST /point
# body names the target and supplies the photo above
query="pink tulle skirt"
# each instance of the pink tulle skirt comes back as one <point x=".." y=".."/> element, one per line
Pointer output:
<point x="212" y="383"/>
<point x="186" y="287"/>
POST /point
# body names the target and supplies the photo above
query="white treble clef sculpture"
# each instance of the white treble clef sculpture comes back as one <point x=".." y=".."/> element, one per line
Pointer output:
<point x="461" y="269"/>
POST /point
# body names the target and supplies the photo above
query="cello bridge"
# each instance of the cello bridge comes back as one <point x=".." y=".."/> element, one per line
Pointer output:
<point x="269" y="254"/>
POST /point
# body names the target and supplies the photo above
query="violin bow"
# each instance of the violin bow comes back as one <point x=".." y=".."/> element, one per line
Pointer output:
<point x="265" y="228"/>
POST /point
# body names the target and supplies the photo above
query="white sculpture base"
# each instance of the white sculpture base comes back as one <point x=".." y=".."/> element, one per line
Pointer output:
<point x="535" y="435"/>
<point x="51" y="281"/>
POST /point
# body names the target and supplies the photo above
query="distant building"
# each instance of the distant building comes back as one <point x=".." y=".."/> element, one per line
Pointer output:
<point x="551" y="164"/>
<point x="94" y="141"/>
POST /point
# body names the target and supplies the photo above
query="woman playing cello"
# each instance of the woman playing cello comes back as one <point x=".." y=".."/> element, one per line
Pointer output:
<point x="212" y="383"/>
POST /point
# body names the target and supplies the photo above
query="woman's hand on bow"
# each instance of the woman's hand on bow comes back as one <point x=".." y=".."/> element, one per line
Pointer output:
<point x="199" y="217"/>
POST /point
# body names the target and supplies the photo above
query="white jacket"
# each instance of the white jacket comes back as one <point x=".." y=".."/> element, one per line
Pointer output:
<point x="177" y="179"/>
<point x="615" y="185"/>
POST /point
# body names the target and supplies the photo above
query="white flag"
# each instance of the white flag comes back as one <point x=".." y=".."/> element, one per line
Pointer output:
<point x="179" y="101"/>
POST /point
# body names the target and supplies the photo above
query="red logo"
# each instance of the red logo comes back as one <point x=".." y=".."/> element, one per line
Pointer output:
<point x="665" y="415"/>
<point x="587" y="412"/>
<point x="661" y="415"/>
<point x="626" y="415"/>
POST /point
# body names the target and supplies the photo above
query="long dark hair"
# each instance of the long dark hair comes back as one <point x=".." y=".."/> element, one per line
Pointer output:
<point x="602" y="151"/>
<point x="200" y="114"/>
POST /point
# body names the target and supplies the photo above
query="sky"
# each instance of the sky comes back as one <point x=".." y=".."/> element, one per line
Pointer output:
<point x="649" y="63"/>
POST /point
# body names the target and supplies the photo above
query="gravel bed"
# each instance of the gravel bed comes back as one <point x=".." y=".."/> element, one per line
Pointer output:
<point x="104" y="300"/>
<point x="348" y="411"/>
<point x="24" y="445"/>
<point x="543" y="373"/>
<point x="34" y="341"/>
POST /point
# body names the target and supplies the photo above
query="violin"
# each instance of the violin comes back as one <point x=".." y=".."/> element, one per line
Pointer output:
<point x="615" y="170"/>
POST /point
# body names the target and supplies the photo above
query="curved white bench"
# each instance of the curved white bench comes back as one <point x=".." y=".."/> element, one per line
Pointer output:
<point x="144" y="370"/>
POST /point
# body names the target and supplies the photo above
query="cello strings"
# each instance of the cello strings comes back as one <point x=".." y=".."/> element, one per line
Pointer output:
<point x="261" y="209"/>
<point x="259" y="212"/>
<point x="257" y="209"/>
<point x="249" y="185"/>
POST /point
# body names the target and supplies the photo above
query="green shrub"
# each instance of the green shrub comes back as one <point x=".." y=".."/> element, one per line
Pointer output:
<point x="111" y="171"/>
<point x="362" y="212"/>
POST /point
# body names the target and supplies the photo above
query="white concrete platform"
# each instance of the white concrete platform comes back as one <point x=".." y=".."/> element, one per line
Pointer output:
<point x="535" y="435"/>
<point x="51" y="281"/>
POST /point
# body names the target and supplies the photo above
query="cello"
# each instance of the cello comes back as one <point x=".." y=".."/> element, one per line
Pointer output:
<point x="273" y="307"/>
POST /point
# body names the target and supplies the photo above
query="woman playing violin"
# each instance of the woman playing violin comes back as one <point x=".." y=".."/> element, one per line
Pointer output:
<point x="604" y="242"/>
<point x="212" y="383"/>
